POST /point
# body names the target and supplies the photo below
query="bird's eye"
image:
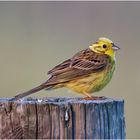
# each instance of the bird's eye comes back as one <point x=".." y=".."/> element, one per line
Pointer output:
<point x="104" y="46"/>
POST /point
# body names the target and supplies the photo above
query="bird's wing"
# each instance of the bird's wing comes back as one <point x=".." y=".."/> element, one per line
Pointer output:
<point x="81" y="64"/>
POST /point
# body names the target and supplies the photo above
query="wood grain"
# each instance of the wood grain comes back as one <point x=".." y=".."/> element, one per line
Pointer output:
<point x="62" y="118"/>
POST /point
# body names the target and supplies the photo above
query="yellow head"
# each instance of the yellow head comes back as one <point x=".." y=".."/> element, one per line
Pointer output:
<point x="104" y="46"/>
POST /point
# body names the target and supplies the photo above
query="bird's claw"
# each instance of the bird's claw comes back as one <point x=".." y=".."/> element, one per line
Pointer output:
<point x="95" y="98"/>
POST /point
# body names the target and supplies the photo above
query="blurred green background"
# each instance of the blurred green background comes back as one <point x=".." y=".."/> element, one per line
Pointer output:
<point x="36" y="36"/>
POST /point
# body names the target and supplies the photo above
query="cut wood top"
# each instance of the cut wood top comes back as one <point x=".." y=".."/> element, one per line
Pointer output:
<point x="62" y="100"/>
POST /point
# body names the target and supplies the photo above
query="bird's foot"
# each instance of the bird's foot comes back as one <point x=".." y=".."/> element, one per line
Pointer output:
<point x="95" y="98"/>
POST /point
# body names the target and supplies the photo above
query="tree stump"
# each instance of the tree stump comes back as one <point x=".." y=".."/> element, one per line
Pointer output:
<point x="62" y="118"/>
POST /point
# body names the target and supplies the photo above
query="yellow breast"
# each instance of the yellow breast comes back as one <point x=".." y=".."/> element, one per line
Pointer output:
<point x="91" y="83"/>
<point x="87" y="84"/>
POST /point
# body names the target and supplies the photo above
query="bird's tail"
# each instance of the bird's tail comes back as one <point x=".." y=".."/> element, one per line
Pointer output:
<point x="36" y="89"/>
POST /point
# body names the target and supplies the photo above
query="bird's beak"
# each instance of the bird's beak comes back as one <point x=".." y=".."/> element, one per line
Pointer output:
<point x="115" y="48"/>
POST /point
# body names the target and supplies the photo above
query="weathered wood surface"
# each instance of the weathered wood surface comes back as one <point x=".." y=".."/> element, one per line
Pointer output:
<point x="62" y="118"/>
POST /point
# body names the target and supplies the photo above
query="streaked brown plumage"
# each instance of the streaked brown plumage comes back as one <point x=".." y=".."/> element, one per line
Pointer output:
<point x="81" y="64"/>
<point x="85" y="64"/>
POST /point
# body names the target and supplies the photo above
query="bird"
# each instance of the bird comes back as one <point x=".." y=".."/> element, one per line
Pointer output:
<point x="88" y="71"/>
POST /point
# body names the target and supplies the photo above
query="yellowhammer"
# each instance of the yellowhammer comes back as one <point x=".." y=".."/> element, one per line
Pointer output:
<point x="86" y="72"/>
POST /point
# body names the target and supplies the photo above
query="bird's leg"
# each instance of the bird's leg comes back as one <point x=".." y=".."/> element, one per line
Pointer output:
<point x="89" y="97"/>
